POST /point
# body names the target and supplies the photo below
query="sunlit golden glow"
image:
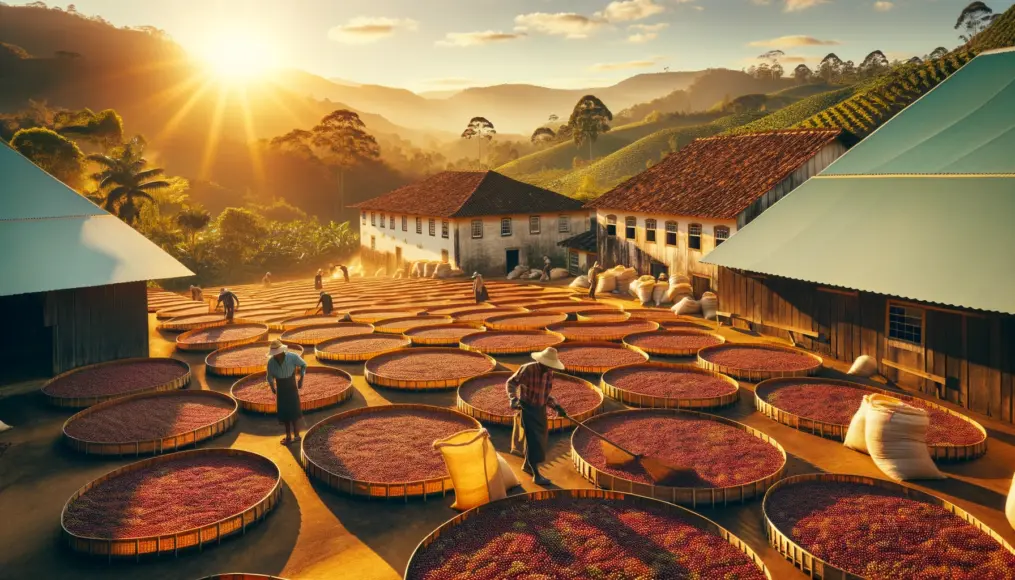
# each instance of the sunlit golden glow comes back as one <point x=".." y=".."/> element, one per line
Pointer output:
<point x="237" y="56"/>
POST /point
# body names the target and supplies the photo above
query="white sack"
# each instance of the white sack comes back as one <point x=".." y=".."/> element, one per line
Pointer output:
<point x="507" y="475"/>
<point x="607" y="283"/>
<point x="474" y="467"/>
<point x="678" y="292"/>
<point x="856" y="438"/>
<point x="659" y="293"/>
<point x="442" y="271"/>
<point x="645" y="293"/>
<point x="709" y="306"/>
<point x="1009" y="506"/>
<point x="381" y="273"/>
<point x="863" y="366"/>
<point x="4" y="427"/>
<point x="896" y="435"/>
<point x="580" y="282"/>
<point x="559" y="274"/>
<point x="687" y="306"/>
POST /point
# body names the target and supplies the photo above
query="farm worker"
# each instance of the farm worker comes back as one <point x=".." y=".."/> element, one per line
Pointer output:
<point x="345" y="271"/>
<point x="229" y="301"/>
<point x="594" y="279"/>
<point x="266" y="280"/>
<point x="528" y="392"/>
<point x="325" y="303"/>
<point x="196" y="294"/>
<point x="319" y="280"/>
<point x="282" y="367"/>
<point x="479" y="288"/>
<point x="546" y="269"/>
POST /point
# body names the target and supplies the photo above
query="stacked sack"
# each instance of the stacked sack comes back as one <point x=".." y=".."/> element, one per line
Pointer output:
<point x="428" y="269"/>
<point x="580" y="282"/>
<point x="517" y="272"/>
<point x="687" y="306"/>
<point x="678" y="291"/>
<point x="660" y="292"/>
<point x="624" y="276"/>
<point x="442" y="271"/>
<point x="533" y="275"/>
<point x="415" y="270"/>
<point x="607" y="282"/>
<point x="558" y="274"/>
<point x="709" y="306"/>
<point x="894" y="434"/>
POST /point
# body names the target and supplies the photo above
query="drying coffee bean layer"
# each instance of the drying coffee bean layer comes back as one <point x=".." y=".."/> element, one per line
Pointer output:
<point x="316" y="386"/>
<point x="759" y="358"/>
<point x="882" y="535"/>
<point x="222" y="334"/>
<point x="565" y="538"/>
<point x="170" y="497"/>
<point x="489" y="394"/>
<point x="511" y="339"/>
<point x="673" y="340"/>
<point x="149" y="419"/>
<point x="366" y="344"/>
<point x="598" y="356"/>
<point x="416" y="323"/>
<point x="435" y="366"/>
<point x="443" y="332"/>
<point x="392" y="447"/>
<point x="530" y="320"/>
<point x="116" y="379"/>
<point x="719" y="455"/>
<point x="672" y="383"/>
<point x="250" y="355"/>
<point x="312" y="333"/>
<point x="592" y="329"/>
<point x="833" y="403"/>
<point x="482" y="315"/>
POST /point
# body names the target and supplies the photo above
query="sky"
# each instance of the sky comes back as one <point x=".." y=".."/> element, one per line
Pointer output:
<point x="437" y="45"/>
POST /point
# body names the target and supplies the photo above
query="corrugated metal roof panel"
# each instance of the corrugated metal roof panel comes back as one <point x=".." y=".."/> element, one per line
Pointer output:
<point x="27" y="192"/>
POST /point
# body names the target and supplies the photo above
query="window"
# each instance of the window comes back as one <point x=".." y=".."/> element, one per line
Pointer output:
<point x="477" y="229"/>
<point x="534" y="224"/>
<point x="391" y="222"/>
<point x="611" y="225"/>
<point x="433" y="227"/>
<point x="505" y="227"/>
<point x="373" y="219"/>
<point x="722" y="233"/>
<point x="373" y="243"/>
<point x="363" y="217"/>
<point x="905" y="323"/>
<point x="671" y="233"/>
<point x="694" y="236"/>
<point x="650" y="231"/>
<point x="572" y="260"/>
<point x="444" y="228"/>
<point x="405" y="223"/>
<point x="563" y="224"/>
<point x="382" y="220"/>
<point x="630" y="228"/>
<point x="419" y="226"/>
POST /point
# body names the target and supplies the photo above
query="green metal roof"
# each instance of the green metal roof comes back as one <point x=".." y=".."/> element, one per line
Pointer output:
<point x="868" y="223"/>
<point x="55" y="239"/>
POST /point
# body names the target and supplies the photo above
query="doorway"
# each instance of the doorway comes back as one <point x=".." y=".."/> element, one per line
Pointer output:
<point x="700" y="285"/>
<point x="512" y="257"/>
<point x="659" y="268"/>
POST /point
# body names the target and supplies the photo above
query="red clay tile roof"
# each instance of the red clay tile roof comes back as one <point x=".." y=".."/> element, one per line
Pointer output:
<point x="470" y="193"/>
<point x="717" y="177"/>
<point x="583" y="242"/>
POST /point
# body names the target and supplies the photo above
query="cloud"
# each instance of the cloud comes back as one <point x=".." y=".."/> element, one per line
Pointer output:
<point x="628" y="10"/>
<point x="367" y="29"/>
<point x="478" y="38"/>
<point x="882" y="6"/>
<point x="793" y="59"/>
<point x="643" y="33"/>
<point x="649" y="27"/>
<point x="800" y="5"/>
<point x="794" y="40"/>
<point x="566" y="24"/>
<point x="609" y="66"/>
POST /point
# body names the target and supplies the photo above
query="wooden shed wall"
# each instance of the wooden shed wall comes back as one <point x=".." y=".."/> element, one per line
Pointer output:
<point x="92" y="325"/>
<point x="970" y="350"/>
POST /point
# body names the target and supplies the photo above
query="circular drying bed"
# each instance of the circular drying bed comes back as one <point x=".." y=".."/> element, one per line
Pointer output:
<point x="150" y="422"/>
<point x="426" y="368"/>
<point x="511" y="341"/>
<point x="452" y="309"/>
<point x="516" y="302"/>
<point x="167" y="503"/>
<point x="178" y="311"/>
<point x="193" y="322"/>
<point x="719" y="460"/>
<point x="660" y="316"/>
<point x="305" y="321"/>
<point x="684" y="325"/>
<point x="673" y="342"/>
<point x="602" y="331"/>
<point x="242" y="360"/>
<point x="485" y="398"/>
<point x="314" y="335"/>
<point x="481" y="315"/>
<point x="667" y="386"/>
<point x="525" y="320"/>
<point x="401" y="324"/>
<point x="216" y="337"/>
<point x="88" y="385"/>
<point x="322" y="387"/>
<point x="587" y="534"/>
<point x="442" y="334"/>
<point x="383" y="451"/>
<point x="851" y="527"/>
<point x="597" y="357"/>
<point x="603" y="315"/>
<point x="757" y="362"/>
<point x="371" y="315"/>
<point x="825" y="407"/>
<point x="359" y="348"/>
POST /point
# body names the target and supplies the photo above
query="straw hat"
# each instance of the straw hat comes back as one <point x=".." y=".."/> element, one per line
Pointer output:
<point x="549" y="358"/>
<point x="276" y="347"/>
<point x="477" y="275"/>
<point x="323" y="292"/>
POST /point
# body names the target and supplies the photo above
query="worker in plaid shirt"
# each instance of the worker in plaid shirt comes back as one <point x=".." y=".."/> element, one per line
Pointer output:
<point x="528" y="391"/>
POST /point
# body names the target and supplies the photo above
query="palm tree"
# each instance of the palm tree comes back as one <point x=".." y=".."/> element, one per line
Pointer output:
<point x="193" y="220"/>
<point x="126" y="181"/>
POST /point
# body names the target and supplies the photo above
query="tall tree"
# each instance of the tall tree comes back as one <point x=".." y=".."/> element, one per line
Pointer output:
<point x="974" y="19"/>
<point x="480" y="129"/>
<point x="192" y="220"/>
<point x="125" y="181"/>
<point x="53" y="152"/>
<point x="936" y="53"/>
<point x="589" y="119"/>
<point x="542" y="136"/>
<point x="874" y="64"/>
<point x="770" y="67"/>
<point x="802" y="73"/>
<point x="830" y="67"/>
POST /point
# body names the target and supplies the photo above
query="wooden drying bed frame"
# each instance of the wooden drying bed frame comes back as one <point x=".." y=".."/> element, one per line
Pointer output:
<point x="643" y="401"/>
<point x="758" y="375"/>
<point x="553" y="424"/>
<point x="82" y="402"/>
<point x="374" y="378"/>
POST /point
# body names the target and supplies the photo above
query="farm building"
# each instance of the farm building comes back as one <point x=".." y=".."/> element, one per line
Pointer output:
<point x="73" y="285"/>
<point x="582" y="251"/>
<point x="673" y="214"/>
<point x="475" y="221"/>
<point x="902" y="249"/>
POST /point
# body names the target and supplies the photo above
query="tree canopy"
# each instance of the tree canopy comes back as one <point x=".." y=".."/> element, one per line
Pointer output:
<point x="974" y="19"/>
<point x="54" y="153"/>
<point x="126" y="181"/>
<point x="590" y="118"/>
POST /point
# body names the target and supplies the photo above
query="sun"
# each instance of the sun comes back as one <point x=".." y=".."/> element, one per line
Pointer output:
<point x="235" y="56"/>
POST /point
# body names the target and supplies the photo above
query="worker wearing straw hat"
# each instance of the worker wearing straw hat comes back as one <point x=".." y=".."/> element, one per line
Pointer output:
<point x="594" y="272"/>
<point x="479" y="288"/>
<point x="319" y="280"/>
<point x="528" y="391"/>
<point x="266" y="280"/>
<point x="325" y="303"/>
<point x="229" y="302"/>
<point x="282" y="368"/>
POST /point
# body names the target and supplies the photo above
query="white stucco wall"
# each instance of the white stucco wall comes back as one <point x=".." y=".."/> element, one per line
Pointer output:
<point x="414" y="246"/>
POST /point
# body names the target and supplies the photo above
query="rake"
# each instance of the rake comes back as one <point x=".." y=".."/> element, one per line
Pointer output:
<point x="660" y="472"/>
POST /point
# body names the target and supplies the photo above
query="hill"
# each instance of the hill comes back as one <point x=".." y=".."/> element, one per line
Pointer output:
<point x="799" y="111"/>
<point x="1000" y="34"/>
